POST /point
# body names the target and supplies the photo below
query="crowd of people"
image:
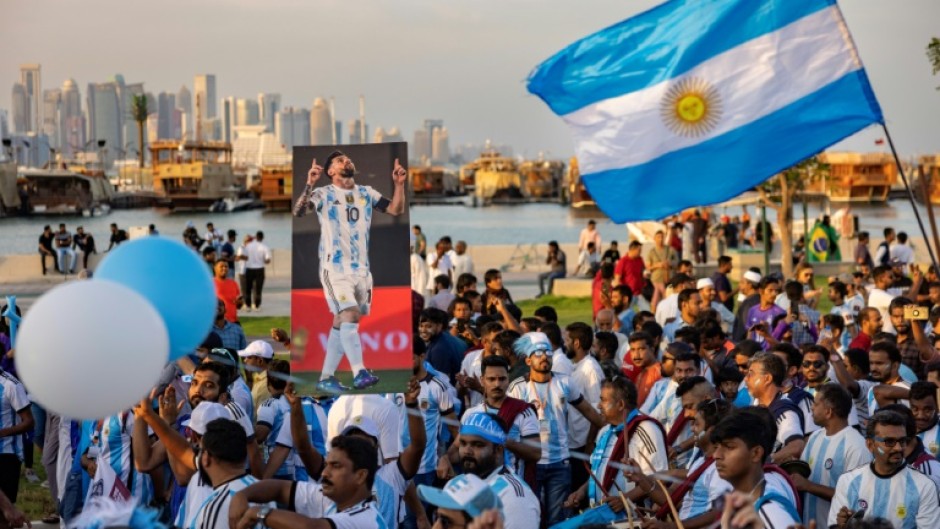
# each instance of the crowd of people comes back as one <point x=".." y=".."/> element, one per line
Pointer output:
<point x="738" y="403"/>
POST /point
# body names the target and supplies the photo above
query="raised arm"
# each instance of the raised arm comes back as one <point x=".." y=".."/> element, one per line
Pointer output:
<point x="303" y="205"/>
<point x="312" y="460"/>
<point x="410" y="459"/>
<point x="399" y="177"/>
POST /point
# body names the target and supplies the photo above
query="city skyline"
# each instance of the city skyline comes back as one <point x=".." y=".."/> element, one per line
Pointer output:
<point x="464" y="64"/>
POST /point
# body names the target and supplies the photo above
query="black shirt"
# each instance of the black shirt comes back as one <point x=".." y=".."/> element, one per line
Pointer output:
<point x="46" y="241"/>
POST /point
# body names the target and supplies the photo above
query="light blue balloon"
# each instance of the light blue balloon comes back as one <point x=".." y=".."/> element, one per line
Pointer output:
<point x="10" y="314"/>
<point x="175" y="280"/>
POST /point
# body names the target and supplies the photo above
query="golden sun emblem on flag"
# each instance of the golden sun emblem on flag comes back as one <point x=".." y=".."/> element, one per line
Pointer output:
<point x="691" y="107"/>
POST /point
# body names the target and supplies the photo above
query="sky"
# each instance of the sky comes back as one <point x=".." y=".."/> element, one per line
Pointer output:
<point x="463" y="61"/>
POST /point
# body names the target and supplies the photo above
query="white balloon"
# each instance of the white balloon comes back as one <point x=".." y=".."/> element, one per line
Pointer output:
<point x="90" y="349"/>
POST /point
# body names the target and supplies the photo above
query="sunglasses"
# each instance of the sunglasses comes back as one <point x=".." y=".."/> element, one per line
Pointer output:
<point x="891" y="441"/>
<point x="815" y="364"/>
<point x="541" y="352"/>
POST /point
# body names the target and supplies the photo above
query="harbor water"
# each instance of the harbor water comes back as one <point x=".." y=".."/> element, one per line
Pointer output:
<point x="497" y="224"/>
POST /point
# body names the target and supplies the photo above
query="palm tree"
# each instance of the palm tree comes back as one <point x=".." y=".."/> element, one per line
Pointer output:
<point x="139" y="112"/>
<point x="933" y="55"/>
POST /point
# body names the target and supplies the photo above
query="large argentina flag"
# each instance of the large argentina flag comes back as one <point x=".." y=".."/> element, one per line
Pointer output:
<point x="696" y="101"/>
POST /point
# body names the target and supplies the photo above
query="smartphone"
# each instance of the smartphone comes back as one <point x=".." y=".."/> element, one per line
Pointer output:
<point x="915" y="312"/>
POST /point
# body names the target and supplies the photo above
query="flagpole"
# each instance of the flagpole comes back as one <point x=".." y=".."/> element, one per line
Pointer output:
<point x="910" y="194"/>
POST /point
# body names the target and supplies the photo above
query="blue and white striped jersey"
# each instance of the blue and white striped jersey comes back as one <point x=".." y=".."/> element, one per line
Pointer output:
<point x="704" y="492"/>
<point x="434" y="401"/>
<point x="213" y="513"/>
<point x="521" y="508"/>
<point x="308" y="500"/>
<point x="873" y="403"/>
<point x="931" y="439"/>
<point x="345" y="218"/>
<point x="829" y="457"/>
<point x="275" y="414"/>
<point x="662" y="403"/>
<point x="13" y="400"/>
<point x="907" y="498"/>
<point x="550" y="400"/>
<point x="115" y="453"/>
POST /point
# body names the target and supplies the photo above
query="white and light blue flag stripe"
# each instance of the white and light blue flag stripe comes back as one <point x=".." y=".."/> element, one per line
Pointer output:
<point x="696" y="101"/>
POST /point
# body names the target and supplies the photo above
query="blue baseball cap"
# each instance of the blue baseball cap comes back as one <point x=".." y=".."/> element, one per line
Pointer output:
<point x="531" y="342"/>
<point x="467" y="493"/>
<point x="485" y="426"/>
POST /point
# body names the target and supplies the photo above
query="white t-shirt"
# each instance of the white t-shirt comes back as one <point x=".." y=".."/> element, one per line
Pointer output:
<point x="240" y="263"/>
<point x="901" y="253"/>
<point x="382" y="411"/>
<point x="419" y="274"/>
<point x="829" y="457"/>
<point x="444" y="267"/>
<point x="561" y="364"/>
<point x="881" y="300"/>
<point x="589" y="376"/>
<point x="667" y="309"/>
<point x="258" y="255"/>
<point x="521" y="509"/>
<point x="308" y="500"/>
<point x="463" y="264"/>
<point x="873" y="403"/>
<point x="471" y="366"/>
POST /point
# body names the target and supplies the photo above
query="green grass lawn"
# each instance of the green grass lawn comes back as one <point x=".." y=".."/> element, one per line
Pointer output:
<point x="34" y="500"/>
<point x="569" y="310"/>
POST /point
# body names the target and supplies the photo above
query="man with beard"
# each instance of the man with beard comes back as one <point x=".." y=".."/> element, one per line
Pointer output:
<point x="689" y="307"/>
<point x="924" y="407"/>
<point x="884" y="360"/>
<point x="522" y="437"/>
<point x="588" y="375"/>
<point x="550" y="394"/>
<point x="709" y="300"/>
<point x="887" y="488"/>
<point x="916" y="351"/>
<point x="915" y="455"/>
<point x="621" y="300"/>
<point x="817" y="373"/>
<point x="444" y="351"/>
<point x="667" y="408"/>
<point x="222" y="463"/>
<point x="643" y="369"/>
<point x="748" y="296"/>
<point x="342" y="500"/>
<point x="627" y="435"/>
<point x="468" y="380"/>
<point x="481" y="452"/>
<point x="830" y="451"/>
<point x="344" y="257"/>
<point x="435" y="405"/>
<point x="172" y="446"/>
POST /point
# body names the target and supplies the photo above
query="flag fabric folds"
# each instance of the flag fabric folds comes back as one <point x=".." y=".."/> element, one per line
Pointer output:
<point x="696" y="101"/>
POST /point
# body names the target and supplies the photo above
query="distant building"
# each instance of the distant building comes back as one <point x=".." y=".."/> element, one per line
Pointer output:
<point x="184" y="102"/>
<point x="31" y="79"/>
<point x="166" y="105"/>
<point x="268" y="105"/>
<point x="254" y="146"/>
<point x="387" y="136"/>
<point x="421" y="146"/>
<point x="72" y="124"/>
<point x="356" y="132"/>
<point x="440" y="146"/>
<point x="21" y="109"/>
<point x="30" y="149"/>
<point x="4" y="125"/>
<point x="246" y="112"/>
<point x="228" y="118"/>
<point x="130" y="146"/>
<point x="204" y="89"/>
<point x="321" y="131"/>
<point x="104" y="118"/>
<point x="292" y="127"/>
<point x="52" y="116"/>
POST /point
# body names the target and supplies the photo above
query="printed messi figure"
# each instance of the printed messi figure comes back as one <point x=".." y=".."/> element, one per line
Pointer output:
<point x="344" y="211"/>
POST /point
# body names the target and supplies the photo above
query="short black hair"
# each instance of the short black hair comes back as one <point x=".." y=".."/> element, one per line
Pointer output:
<point x="686" y="295"/>
<point x="607" y="341"/>
<point x="506" y="338"/>
<point x="553" y="332"/>
<point x="433" y="315"/>
<point x="753" y="426"/>
<point x="493" y="361"/>
<point x="218" y="369"/>
<point x="837" y="397"/>
<point x="533" y="323"/>
<point x="278" y="373"/>
<point x="792" y="352"/>
<point x="226" y="440"/>
<point x="641" y="336"/>
<point x="690" y="336"/>
<point x="582" y="333"/>
<point x="713" y="410"/>
<point x="362" y="452"/>
<point x="724" y="259"/>
<point x="923" y="389"/>
<point x="886" y="417"/>
<point x="625" y="291"/>
<point x="689" y="383"/>
<point x="653" y="329"/>
<point x="766" y="281"/>
<point x="894" y="355"/>
<point x="840" y="288"/>
<point x="625" y="390"/>
<point x="490" y="275"/>
<point x="834" y="321"/>
<point x="690" y="357"/>
<point x="898" y="303"/>
<point x="710" y="329"/>
<point x="464" y="280"/>
<point x="443" y="280"/>
<point x="910" y="424"/>
<point x="747" y="348"/>
<point x="729" y="374"/>
<point x="858" y="358"/>
<point x="490" y="327"/>
<point x="547" y="313"/>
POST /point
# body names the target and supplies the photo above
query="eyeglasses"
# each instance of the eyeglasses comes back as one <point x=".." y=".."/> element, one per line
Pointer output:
<point x="815" y="364"/>
<point x="891" y="441"/>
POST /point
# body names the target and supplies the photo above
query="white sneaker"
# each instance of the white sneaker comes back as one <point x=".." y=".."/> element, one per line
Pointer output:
<point x="31" y="476"/>
<point x="247" y="308"/>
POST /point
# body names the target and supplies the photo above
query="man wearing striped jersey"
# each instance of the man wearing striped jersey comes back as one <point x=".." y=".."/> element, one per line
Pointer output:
<point x="831" y="451"/>
<point x="522" y="443"/>
<point x="664" y="405"/>
<point x="482" y="443"/>
<point x="16" y="418"/>
<point x="923" y="400"/>
<point x="342" y="500"/>
<point x="626" y="435"/>
<point x="344" y="210"/>
<point x="886" y="488"/>
<point x="175" y="439"/>
<point x="915" y="456"/>
<point x="273" y="419"/>
<point x="222" y="461"/>
<point x="743" y="441"/>
<point x="551" y="394"/>
<point x="113" y="462"/>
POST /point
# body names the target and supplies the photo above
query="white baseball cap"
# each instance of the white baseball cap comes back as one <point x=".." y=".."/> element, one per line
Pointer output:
<point x="205" y="413"/>
<point x="258" y="348"/>
<point x="363" y="424"/>
<point x="466" y="492"/>
<point x="704" y="283"/>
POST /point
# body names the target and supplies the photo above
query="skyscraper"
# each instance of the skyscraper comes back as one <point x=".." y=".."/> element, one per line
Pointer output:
<point x="246" y="112"/>
<point x="229" y="114"/>
<point x="204" y="88"/>
<point x="292" y="127"/>
<point x="387" y="136"/>
<point x="31" y="79"/>
<point x="52" y="116"/>
<point x="166" y="104"/>
<point x="21" y="109"/>
<point x="440" y="146"/>
<point x="104" y="117"/>
<point x="268" y="105"/>
<point x="4" y="126"/>
<point x="72" y="126"/>
<point x="184" y="102"/>
<point x="321" y="121"/>
<point x="355" y="131"/>
<point x="421" y="146"/>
